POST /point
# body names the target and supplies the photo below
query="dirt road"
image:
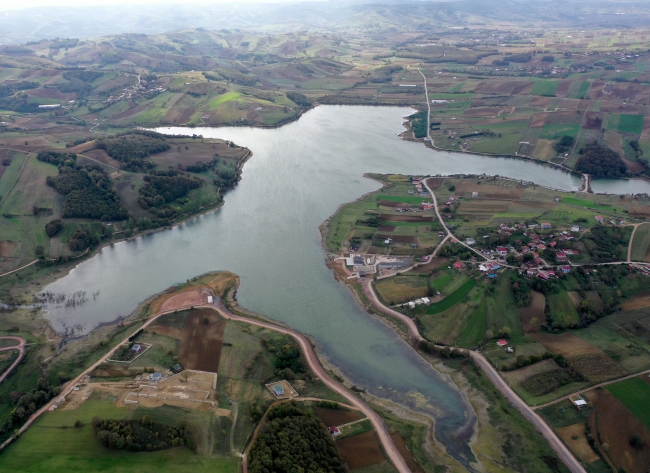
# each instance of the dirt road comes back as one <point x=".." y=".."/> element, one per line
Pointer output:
<point x="314" y="364"/>
<point x="21" y="349"/>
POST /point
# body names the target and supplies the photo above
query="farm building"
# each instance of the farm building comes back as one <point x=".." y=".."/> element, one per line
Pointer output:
<point x="502" y="342"/>
<point x="470" y="241"/>
<point x="459" y="265"/>
<point x="599" y="219"/>
<point x="177" y="368"/>
<point x="156" y="377"/>
<point x="503" y="251"/>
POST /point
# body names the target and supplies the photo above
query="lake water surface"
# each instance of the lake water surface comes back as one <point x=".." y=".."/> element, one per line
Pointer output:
<point x="267" y="233"/>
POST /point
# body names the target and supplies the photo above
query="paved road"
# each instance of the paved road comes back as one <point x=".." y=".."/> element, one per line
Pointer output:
<point x="562" y="451"/>
<point x="21" y="349"/>
<point x="314" y="364"/>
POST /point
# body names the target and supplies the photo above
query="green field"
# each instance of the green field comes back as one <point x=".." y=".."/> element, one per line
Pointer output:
<point x="563" y="312"/>
<point x="53" y="443"/>
<point x="545" y="87"/>
<point x="588" y="203"/>
<point x="440" y="282"/>
<point x="632" y="124"/>
<point x="475" y="327"/>
<point x="578" y="91"/>
<point x="452" y="299"/>
<point x="406" y="199"/>
<point x="634" y="393"/>
<point x="641" y="242"/>
<point x="555" y="131"/>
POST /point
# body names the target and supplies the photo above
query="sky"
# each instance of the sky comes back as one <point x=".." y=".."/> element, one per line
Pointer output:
<point x="8" y="5"/>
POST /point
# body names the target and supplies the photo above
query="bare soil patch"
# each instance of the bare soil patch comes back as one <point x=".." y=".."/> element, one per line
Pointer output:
<point x="103" y="157"/>
<point x="430" y="265"/>
<point x="129" y="112"/>
<point x="534" y="310"/>
<point x="386" y="228"/>
<point x="399" y="238"/>
<point x="636" y="209"/>
<point x="7" y="248"/>
<point x="403" y="450"/>
<point x="405" y="218"/>
<point x="530" y="371"/>
<point x="178" y="116"/>
<point x="575" y="297"/>
<point x="361" y="450"/>
<point x="336" y="417"/>
<point x="484" y="205"/>
<point x="167" y="330"/>
<point x="467" y="186"/>
<point x="185" y="299"/>
<point x="575" y="437"/>
<point x="593" y="121"/>
<point x="522" y="88"/>
<point x="435" y="182"/>
<point x="563" y="88"/>
<point x="482" y="112"/>
<point x="596" y="367"/>
<point x="538" y="120"/>
<point x="566" y="344"/>
<point x="639" y="301"/>
<point x="616" y="426"/>
<point x="200" y="347"/>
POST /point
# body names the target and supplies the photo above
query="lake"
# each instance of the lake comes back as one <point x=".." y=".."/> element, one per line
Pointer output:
<point x="267" y="233"/>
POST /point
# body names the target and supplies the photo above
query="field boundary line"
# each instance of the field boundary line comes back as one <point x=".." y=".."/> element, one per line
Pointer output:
<point x="591" y="388"/>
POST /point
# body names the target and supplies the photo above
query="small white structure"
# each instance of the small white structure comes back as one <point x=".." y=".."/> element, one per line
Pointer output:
<point x="210" y="299"/>
<point x="411" y="305"/>
<point x="426" y="300"/>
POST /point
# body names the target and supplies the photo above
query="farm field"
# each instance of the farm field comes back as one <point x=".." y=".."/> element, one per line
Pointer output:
<point x="634" y="393"/>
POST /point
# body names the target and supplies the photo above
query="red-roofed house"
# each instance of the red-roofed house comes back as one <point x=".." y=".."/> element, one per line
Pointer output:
<point x="502" y="250"/>
<point x="599" y="218"/>
<point x="459" y="265"/>
<point x="560" y="256"/>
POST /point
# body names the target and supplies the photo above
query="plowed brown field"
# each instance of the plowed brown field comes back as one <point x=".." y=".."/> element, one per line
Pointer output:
<point x="200" y="347"/>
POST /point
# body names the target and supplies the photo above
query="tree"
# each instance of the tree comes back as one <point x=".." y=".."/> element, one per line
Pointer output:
<point x="489" y="335"/>
<point x="504" y="332"/>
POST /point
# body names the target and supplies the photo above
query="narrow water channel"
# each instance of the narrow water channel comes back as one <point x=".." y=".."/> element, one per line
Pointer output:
<point x="268" y="234"/>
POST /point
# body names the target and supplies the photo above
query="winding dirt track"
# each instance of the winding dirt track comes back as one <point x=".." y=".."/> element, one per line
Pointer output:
<point x="314" y="364"/>
<point x="20" y="347"/>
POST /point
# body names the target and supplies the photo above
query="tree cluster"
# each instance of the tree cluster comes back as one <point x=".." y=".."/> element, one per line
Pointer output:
<point x="564" y="144"/>
<point x="56" y="158"/>
<point x="419" y="123"/>
<point x="294" y="440"/>
<point x="200" y="166"/>
<point x="141" y="435"/>
<point x="28" y="403"/>
<point x="161" y="188"/>
<point x="445" y="352"/>
<point x="299" y="99"/>
<point x="599" y="161"/>
<point x="88" y="193"/>
<point x="82" y="239"/>
<point x="384" y="73"/>
<point x="134" y="148"/>
<point x="53" y="227"/>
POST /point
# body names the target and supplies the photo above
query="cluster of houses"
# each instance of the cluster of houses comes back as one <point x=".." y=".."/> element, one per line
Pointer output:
<point x="420" y="301"/>
<point x="137" y="90"/>
<point x="419" y="189"/>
